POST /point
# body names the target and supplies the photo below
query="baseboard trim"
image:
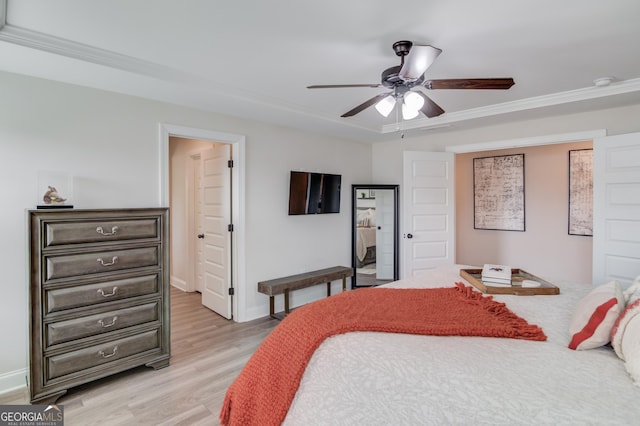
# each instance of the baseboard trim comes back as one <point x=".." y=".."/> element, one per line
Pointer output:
<point x="178" y="283"/>
<point x="13" y="381"/>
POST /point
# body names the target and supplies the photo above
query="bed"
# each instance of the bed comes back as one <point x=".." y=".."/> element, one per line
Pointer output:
<point x="377" y="378"/>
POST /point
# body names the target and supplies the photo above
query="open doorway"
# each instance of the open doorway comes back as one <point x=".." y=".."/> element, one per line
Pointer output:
<point x="194" y="163"/>
<point x="200" y="199"/>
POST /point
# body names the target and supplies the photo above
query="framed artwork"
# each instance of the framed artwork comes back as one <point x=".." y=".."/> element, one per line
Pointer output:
<point x="581" y="192"/>
<point x="498" y="193"/>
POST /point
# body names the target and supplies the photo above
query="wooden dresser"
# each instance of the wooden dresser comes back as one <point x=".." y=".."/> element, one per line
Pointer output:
<point x="99" y="295"/>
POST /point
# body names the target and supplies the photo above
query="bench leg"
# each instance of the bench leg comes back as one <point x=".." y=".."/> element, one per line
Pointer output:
<point x="286" y="301"/>
<point x="272" y="314"/>
<point x="344" y="283"/>
<point x="328" y="289"/>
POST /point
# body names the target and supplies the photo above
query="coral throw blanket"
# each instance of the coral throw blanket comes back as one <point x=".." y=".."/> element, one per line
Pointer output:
<point x="262" y="393"/>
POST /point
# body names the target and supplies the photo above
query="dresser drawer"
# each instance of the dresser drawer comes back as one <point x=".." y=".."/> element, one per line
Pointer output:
<point x="96" y="231"/>
<point x="71" y="265"/>
<point x="64" y="331"/>
<point x="93" y="356"/>
<point x="92" y="294"/>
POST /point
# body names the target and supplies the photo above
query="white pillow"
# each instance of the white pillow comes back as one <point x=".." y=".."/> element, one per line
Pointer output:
<point x="632" y="299"/>
<point x="363" y="218"/>
<point x="633" y="291"/>
<point x="595" y="315"/>
<point x="372" y="217"/>
<point x="620" y="331"/>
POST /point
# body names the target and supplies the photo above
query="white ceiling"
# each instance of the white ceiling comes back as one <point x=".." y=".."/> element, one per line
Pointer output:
<point x="254" y="59"/>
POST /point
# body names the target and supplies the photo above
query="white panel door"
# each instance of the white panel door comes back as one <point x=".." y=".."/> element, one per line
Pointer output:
<point x="429" y="211"/>
<point x="616" y="208"/>
<point x="216" y="215"/>
<point x="385" y="234"/>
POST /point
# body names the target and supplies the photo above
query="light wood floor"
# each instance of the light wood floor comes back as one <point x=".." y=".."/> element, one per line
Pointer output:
<point x="207" y="351"/>
<point x="369" y="280"/>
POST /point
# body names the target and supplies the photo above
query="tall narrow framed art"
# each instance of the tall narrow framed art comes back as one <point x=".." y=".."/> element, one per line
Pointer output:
<point x="581" y="192"/>
<point x="498" y="193"/>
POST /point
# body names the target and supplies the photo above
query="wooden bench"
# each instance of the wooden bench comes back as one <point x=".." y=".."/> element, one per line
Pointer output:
<point x="295" y="282"/>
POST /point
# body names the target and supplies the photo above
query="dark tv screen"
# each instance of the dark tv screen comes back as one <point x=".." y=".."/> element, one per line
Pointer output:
<point x="314" y="193"/>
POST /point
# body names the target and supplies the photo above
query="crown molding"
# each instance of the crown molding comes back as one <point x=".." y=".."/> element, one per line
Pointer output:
<point x="560" y="98"/>
<point x="83" y="52"/>
<point x="558" y="138"/>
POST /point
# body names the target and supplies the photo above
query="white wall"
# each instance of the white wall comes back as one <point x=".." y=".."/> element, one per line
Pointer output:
<point x="282" y="244"/>
<point x="110" y="144"/>
<point x="387" y="157"/>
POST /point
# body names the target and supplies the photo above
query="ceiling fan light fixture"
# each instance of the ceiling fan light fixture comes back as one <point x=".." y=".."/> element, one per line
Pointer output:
<point x="409" y="113"/>
<point x="413" y="100"/>
<point x="385" y="106"/>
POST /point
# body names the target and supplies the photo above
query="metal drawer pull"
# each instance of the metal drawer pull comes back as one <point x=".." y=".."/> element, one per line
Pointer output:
<point x="113" y="322"/>
<point x="114" y="260"/>
<point x="103" y="355"/>
<point x="103" y="294"/>
<point x="100" y="231"/>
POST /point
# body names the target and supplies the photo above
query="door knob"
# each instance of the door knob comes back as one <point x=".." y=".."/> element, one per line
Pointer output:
<point x="200" y="235"/>
<point x="409" y="235"/>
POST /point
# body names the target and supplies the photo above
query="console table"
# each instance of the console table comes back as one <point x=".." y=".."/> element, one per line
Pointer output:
<point x="295" y="282"/>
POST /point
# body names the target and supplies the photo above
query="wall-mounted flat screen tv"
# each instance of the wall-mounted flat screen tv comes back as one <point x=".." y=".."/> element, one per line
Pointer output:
<point x="314" y="193"/>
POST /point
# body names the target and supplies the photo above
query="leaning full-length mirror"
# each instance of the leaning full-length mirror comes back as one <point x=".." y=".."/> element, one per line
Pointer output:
<point x="375" y="234"/>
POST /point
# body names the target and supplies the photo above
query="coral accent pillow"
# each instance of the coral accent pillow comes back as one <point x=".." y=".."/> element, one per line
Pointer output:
<point x="595" y="315"/>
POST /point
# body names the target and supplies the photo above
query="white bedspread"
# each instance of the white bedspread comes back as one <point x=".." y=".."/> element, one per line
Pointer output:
<point x="369" y="378"/>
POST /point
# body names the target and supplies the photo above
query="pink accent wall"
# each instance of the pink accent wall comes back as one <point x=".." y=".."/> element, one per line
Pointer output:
<point x="545" y="248"/>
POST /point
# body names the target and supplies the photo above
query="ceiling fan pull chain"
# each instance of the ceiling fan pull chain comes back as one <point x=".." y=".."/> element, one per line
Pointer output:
<point x="397" y="115"/>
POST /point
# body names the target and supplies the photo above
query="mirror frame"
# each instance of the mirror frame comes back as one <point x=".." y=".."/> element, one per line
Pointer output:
<point x="354" y="224"/>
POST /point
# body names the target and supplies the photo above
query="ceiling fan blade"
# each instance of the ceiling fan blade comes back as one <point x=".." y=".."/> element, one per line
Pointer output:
<point x="417" y="61"/>
<point x="470" y="83"/>
<point x="430" y="108"/>
<point x="338" y="86"/>
<point x="365" y="105"/>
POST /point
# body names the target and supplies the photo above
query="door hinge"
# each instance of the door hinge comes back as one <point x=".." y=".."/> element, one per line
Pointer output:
<point x="230" y="164"/>
<point x="230" y="227"/>
<point x="232" y="291"/>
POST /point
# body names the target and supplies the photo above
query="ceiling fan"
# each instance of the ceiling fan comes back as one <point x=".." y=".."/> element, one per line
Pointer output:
<point x="414" y="61"/>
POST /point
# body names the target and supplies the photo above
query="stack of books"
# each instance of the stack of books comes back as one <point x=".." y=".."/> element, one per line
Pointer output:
<point x="496" y="275"/>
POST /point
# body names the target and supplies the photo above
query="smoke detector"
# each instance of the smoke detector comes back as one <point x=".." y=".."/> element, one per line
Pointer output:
<point x="602" y="81"/>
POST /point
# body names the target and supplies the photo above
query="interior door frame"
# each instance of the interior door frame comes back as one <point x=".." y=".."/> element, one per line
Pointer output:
<point x="237" y="142"/>
<point x="396" y="226"/>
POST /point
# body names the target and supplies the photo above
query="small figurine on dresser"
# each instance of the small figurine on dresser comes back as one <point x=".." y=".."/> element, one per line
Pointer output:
<point x="53" y="199"/>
